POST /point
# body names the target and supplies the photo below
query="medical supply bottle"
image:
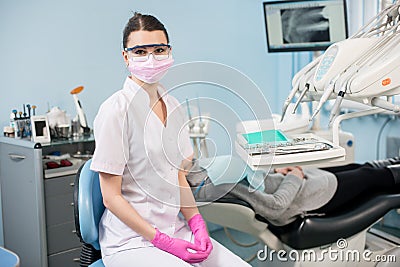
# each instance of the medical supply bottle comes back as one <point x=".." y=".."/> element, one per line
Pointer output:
<point x="12" y="120"/>
<point x="11" y="128"/>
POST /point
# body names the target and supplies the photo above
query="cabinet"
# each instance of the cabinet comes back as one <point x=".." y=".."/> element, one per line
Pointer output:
<point x="37" y="204"/>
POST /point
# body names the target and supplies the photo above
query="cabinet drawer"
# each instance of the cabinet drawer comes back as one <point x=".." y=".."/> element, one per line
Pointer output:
<point x="59" y="186"/>
<point x="62" y="237"/>
<point x="59" y="209"/>
<point x="68" y="258"/>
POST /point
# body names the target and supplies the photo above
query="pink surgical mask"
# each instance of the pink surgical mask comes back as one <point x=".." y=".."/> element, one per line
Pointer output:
<point x="151" y="70"/>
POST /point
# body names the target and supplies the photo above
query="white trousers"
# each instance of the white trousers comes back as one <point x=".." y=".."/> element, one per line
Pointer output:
<point x="151" y="256"/>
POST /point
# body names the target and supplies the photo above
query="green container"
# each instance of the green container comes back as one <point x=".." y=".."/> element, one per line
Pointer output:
<point x="264" y="137"/>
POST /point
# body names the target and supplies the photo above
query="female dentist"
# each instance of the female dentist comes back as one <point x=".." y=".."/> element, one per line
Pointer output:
<point x="142" y="143"/>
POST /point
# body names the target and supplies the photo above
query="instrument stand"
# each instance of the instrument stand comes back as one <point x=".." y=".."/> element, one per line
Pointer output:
<point x="198" y="131"/>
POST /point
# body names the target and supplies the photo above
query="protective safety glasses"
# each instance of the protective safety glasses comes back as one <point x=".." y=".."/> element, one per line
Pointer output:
<point x="141" y="53"/>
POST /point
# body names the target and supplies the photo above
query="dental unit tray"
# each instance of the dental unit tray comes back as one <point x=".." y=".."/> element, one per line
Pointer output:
<point x="300" y="149"/>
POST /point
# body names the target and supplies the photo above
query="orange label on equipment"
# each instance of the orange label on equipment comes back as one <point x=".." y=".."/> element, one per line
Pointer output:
<point x="386" y="81"/>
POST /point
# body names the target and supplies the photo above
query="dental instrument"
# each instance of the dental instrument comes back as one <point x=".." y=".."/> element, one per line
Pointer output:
<point x="79" y="110"/>
<point x="295" y="85"/>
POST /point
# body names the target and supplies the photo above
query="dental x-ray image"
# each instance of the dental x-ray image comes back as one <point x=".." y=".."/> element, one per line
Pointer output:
<point x="305" y="25"/>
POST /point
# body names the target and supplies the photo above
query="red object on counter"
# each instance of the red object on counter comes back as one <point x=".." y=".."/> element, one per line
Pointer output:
<point x="65" y="163"/>
<point x="52" y="165"/>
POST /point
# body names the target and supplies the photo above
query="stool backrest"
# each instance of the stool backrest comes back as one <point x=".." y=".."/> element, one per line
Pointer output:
<point x="8" y="258"/>
<point x="88" y="205"/>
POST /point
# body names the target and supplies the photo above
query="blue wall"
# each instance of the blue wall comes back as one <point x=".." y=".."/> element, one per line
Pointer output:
<point x="49" y="47"/>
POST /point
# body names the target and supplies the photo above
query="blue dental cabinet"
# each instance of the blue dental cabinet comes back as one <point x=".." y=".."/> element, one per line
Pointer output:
<point x="37" y="201"/>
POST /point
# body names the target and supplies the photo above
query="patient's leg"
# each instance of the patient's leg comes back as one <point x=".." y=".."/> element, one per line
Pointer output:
<point x="348" y="167"/>
<point x="384" y="162"/>
<point x="352" y="183"/>
<point x="374" y="163"/>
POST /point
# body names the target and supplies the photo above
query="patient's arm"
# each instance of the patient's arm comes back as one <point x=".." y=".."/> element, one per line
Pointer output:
<point x="271" y="206"/>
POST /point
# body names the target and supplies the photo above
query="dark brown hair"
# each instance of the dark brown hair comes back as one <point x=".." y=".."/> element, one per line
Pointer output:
<point x="142" y="22"/>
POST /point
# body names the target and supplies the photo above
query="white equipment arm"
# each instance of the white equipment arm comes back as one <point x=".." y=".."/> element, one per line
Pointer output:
<point x="363" y="68"/>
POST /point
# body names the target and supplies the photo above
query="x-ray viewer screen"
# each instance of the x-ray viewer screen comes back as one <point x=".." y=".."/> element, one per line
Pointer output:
<point x="304" y="25"/>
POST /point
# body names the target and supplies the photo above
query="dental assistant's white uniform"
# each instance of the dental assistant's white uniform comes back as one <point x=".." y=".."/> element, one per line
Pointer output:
<point x="133" y="142"/>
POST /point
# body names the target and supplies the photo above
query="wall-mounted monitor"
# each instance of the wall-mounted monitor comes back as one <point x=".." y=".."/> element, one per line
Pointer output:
<point x="304" y="25"/>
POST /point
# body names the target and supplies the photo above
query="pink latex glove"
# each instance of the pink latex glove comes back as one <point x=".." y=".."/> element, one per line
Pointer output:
<point x="199" y="229"/>
<point x="179" y="248"/>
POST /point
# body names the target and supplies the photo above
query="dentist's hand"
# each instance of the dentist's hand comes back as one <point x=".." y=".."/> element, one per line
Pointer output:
<point x="179" y="248"/>
<point x="199" y="229"/>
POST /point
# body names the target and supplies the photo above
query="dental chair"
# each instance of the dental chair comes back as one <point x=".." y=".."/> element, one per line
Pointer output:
<point x="88" y="209"/>
<point x="8" y="258"/>
<point x="312" y="232"/>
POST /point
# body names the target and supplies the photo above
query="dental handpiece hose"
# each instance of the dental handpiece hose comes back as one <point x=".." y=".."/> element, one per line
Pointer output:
<point x="289" y="98"/>
<point x="325" y="96"/>
<point x="343" y="80"/>
<point x="307" y="83"/>
<point x="303" y="93"/>
<point x="336" y="106"/>
<point x="295" y="85"/>
<point x="381" y="103"/>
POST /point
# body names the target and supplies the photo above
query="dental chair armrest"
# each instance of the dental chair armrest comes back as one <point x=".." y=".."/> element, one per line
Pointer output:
<point x="239" y="215"/>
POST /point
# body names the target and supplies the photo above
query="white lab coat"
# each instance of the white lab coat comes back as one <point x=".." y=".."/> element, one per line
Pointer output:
<point x="133" y="142"/>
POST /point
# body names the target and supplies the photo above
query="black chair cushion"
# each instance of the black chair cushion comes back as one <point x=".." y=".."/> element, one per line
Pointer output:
<point x="315" y="231"/>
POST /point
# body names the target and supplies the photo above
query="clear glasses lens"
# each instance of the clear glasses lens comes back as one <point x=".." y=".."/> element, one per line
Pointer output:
<point x="160" y="52"/>
<point x="145" y="58"/>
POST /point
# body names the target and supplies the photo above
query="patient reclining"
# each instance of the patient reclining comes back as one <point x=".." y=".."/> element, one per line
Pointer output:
<point x="286" y="193"/>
